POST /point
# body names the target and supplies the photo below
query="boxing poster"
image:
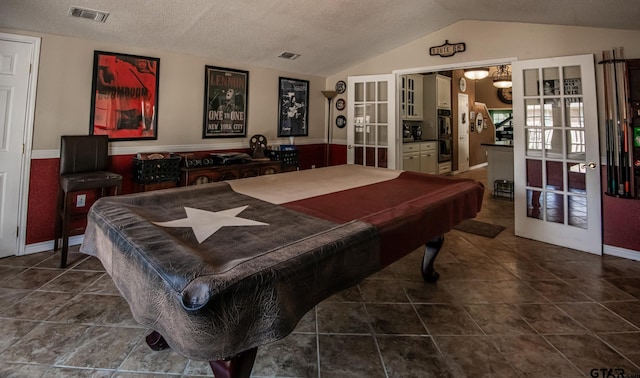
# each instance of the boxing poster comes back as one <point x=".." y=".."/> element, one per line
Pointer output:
<point x="225" y="102"/>
<point x="124" y="101"/>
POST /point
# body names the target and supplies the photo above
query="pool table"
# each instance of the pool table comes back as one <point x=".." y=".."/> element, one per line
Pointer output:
<point x="219" y="269"/>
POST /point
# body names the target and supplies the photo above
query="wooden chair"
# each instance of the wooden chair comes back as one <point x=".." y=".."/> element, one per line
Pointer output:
<point x="83" y="163"/>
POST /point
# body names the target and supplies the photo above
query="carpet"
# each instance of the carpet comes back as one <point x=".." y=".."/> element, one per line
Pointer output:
<point x="487" y="230"/>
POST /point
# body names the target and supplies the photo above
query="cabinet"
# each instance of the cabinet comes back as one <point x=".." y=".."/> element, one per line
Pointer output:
<point x="203" y="175"/>
<point x="420" y="157"/>
<point x="443" y="92"/>
<point x="436" y="96"/>
<point x="444" y="167"/>
<point x="428" y="158"/>
<point x="436" y="92"/>
<point x="411" y="104"/>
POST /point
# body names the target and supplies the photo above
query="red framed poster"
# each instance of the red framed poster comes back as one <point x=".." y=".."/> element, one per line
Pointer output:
<point x="124" y="96"/>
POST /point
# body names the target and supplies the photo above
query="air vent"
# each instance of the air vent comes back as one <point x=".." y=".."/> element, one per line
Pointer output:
<point x="288" y="55"/>
<point x="90" y="14"/>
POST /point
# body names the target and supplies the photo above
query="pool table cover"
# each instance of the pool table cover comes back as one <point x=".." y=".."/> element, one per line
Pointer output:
<point x="221" y="268"/>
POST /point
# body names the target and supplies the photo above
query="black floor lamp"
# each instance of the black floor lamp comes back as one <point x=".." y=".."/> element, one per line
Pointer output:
<point x="329" y="95"/>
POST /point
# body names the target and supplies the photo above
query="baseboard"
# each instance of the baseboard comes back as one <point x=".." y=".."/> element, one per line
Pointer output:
<point x="48" y="245"/>
<point x="621" y="252"/>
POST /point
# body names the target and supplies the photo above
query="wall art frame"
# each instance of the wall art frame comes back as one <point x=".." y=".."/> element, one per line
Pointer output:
<point x="293" y="106"/>
<point x="226" y="102"/>
<point x="124" y="96"/>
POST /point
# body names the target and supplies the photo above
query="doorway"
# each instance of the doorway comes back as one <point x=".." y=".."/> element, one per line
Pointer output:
<point x="18" y="80"/>
<point x="507" y="132"/>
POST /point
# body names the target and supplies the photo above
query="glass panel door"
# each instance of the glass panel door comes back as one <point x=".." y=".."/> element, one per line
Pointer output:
<point x="371" y="125"/>
<point x="556" y="152"/>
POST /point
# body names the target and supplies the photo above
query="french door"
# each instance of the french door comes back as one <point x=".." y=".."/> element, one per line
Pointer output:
<point x="556" y="152"/>
<point x="371" y="121"/>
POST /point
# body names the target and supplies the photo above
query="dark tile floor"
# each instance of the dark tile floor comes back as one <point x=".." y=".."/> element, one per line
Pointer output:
<point x="503" y="307"/>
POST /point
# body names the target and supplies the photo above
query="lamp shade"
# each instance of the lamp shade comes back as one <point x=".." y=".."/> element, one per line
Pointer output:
<point x="476" y="73"/>
<point x="502" y="77"/>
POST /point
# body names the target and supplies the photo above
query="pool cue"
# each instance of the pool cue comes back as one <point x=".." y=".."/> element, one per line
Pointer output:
<point x="612" y="168"/>
<point x="620" y="132"/>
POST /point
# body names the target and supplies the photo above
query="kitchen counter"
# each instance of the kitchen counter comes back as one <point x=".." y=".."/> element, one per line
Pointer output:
<point x="420" y="141"/>
<point x="500" y="162"/>
<point x="498" y="144"/>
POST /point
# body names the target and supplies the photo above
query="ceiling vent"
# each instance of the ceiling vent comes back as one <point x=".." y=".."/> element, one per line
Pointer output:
<point x="289" y="55"/>
<point x="90" y="14"/>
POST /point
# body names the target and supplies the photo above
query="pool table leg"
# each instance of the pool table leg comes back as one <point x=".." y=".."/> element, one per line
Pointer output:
<point x="239" y="366"/>
<point x="431" y="250"/>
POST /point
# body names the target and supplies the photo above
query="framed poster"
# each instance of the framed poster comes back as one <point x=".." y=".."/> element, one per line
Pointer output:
<point x="225" y="102"/>
<point x="294" y="101"/>
<point x="124" y="96"/>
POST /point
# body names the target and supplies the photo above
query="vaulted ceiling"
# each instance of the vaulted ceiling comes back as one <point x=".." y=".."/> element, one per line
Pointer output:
<point x="329" y="35"/>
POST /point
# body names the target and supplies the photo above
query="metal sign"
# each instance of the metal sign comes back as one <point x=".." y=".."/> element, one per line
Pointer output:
<point x="447" y="49"/>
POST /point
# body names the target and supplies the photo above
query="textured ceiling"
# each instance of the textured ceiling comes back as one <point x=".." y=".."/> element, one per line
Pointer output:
<point x="330" y="35"/>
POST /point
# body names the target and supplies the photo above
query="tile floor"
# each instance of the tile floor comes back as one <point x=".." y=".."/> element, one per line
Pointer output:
<point x="503" y="307"/>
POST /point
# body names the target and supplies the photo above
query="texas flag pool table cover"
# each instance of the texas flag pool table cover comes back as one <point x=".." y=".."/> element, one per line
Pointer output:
<point x="218" y="269"/>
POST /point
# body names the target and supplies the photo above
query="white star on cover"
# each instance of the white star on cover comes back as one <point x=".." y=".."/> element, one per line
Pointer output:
<point x="206" y="223"/>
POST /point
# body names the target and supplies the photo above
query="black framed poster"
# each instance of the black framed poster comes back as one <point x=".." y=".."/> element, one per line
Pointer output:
<point x="225" y="102"/>
<point x="293" y="119"/>
<point x="124" y="96"/>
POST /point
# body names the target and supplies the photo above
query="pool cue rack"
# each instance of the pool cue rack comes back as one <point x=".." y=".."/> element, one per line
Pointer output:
<point x="622" y="122"/>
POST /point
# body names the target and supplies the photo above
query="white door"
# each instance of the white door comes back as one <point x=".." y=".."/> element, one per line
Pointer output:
<point x="371" y="121"/>
<point x="556" y="152"/>
<point x="463" y="132"/>
<point x="15" y="116"/>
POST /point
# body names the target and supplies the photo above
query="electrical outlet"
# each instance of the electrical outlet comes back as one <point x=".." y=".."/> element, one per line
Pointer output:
<point x="313" y="166"/>
<point x="81" y="200"/>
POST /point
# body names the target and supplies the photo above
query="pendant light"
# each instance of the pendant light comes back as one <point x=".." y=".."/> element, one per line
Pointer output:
<point x="502" y="77"/>
<point x="476" y="73"/>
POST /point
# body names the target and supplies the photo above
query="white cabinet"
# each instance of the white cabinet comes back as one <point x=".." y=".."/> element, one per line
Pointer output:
<point x="436" y="95"/>
<point x="411" y="106"/>
<point x="428" y="158"/>
<point x="411" y="161"/>
<point x="420" y="157"/>
<point x="443" y="93"/>
<point x="444" y="167"/>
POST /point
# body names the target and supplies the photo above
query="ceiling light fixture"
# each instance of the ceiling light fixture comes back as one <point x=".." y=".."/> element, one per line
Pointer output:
<point x="476" y="73"/>
<point x="502" y="77"/>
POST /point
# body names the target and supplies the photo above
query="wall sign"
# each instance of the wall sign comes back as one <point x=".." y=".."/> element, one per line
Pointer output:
<point x="447" y="49"/>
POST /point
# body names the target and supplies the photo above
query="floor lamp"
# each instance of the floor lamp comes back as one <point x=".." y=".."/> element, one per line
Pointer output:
<point x="329" y="95"/>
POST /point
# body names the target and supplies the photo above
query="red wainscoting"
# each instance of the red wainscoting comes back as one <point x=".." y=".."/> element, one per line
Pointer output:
<point x="43" y="186"/>
<point x="620" y="219"/>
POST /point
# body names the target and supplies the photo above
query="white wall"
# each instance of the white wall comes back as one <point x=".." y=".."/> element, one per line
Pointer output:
<point x="495" y="40"/>
<point x="63" y="101"/>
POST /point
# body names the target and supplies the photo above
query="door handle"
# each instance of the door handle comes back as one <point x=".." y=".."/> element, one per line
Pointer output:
<point x="349" y="146"/>
<point x="591" y="165"/>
